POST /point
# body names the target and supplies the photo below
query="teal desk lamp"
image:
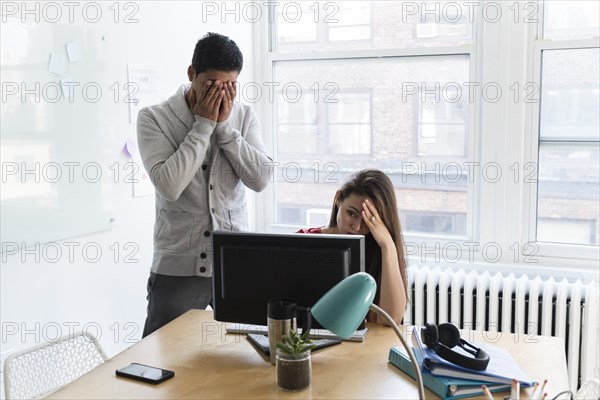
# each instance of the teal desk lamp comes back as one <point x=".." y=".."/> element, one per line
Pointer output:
<point x="345" y="306"/>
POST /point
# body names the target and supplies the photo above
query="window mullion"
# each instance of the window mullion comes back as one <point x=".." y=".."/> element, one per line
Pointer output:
<point x="502" y="134"/>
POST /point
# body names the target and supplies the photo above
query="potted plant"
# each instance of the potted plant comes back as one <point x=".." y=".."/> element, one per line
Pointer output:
<point x="293" y="363"/>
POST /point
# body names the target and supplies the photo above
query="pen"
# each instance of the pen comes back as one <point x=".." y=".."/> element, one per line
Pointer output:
<point x="515" y="390"/>
<point x="539" y="394"/>
<point x="534" y="391"/>
<point x="487" y="392"/>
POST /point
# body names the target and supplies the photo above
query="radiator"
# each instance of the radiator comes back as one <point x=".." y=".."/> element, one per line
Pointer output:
<point x="506" y="303"/>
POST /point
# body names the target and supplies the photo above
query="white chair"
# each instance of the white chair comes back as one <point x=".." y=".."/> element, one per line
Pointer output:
<point x="589" y="390"/>
<point x="40" y="370"/>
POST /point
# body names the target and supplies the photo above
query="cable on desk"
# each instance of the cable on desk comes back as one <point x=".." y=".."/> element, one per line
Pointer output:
<point x="564" y="392"/>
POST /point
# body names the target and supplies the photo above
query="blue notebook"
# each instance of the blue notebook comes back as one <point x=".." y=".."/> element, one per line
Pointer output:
<point x="445" y="387"/>
<point x="501" y="369"/>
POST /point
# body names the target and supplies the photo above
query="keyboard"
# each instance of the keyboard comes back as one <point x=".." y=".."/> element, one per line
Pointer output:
<point x="358" y="335"/>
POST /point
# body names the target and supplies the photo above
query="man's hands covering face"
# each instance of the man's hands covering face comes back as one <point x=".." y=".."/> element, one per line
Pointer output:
<point x="215" y="100"/>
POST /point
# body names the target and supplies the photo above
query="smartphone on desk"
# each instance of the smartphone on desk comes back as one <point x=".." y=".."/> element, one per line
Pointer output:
<point x="145" y="373"/>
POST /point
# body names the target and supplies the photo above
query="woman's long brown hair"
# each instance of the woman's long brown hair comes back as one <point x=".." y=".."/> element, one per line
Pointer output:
<point x="378" y="187"/>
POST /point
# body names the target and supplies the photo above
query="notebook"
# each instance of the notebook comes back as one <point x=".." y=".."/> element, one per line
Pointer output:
<point x="446" y="388"/>
<point x="501" y="369"/>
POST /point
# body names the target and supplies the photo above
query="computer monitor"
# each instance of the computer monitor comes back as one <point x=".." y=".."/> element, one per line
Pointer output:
<point x="249" y="269"/>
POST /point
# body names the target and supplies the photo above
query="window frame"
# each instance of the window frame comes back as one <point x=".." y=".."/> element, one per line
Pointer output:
<point x="583" y="258"/>
<point x="507" y="134"/>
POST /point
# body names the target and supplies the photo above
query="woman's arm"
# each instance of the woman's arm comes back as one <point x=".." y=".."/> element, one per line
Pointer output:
<point x="392" y="296"/>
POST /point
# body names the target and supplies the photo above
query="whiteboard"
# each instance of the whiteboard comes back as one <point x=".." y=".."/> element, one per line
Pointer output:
<point x="56" y="140"/>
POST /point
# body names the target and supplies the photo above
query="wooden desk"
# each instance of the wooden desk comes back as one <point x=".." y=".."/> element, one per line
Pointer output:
<point x="209" y="363"/>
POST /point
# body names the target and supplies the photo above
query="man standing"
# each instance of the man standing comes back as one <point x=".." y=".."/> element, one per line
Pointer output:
<point x="201" y="150"/>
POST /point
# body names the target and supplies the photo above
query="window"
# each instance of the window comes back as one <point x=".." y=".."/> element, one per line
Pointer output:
<point x="360" y="25"/>
<point x="349" y="124"/>
<point x="339" y="110"/>
<point x="571" y="19"/>
<point x="309" y="128"/>
<point x="437" y="223"/>
<point x="568" y="191"/>
<point x="297" y="126"/>
<point x="442" y="125"/>
<point x="484" y="115"/>
<point x="567" y="230"/>
<point x="354" y="22"/>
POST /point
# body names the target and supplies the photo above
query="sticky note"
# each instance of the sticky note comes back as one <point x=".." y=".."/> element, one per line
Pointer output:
<point x="56" y="64"/>
<point x="74" y="52"/>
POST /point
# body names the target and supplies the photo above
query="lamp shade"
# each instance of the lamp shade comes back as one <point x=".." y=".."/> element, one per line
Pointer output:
<point x="344" y="307"/>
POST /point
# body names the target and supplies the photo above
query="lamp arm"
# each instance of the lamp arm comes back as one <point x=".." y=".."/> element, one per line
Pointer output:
<point x="408" y="349"/>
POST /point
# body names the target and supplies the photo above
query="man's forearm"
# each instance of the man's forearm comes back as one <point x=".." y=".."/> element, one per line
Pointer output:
<point x="247" y="155"/>
<point x="171" y="170"/>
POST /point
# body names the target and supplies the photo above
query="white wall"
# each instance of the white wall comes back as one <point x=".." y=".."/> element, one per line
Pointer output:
<point x="42" y="300"/>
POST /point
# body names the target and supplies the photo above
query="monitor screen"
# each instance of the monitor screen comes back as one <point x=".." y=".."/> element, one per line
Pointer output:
<point x="249" y="269"/>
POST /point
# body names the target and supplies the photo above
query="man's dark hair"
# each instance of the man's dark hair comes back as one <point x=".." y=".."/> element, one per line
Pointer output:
<point x="215" y="51"/>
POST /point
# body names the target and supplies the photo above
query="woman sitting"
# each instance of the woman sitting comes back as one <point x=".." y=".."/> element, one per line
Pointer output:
<point x="366" y="205"/>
